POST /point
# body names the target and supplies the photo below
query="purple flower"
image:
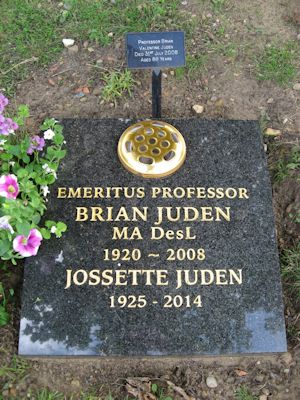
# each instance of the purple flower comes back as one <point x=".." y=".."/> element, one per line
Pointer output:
<point x="7" y="126"/>
<point x="3" y="102"/>
<point x="36" y="143"/>
<point x="9" y="187"/>
<point x="28" y="246"/>
<point x="12" y="125"/>
<point x="3" y="126"/>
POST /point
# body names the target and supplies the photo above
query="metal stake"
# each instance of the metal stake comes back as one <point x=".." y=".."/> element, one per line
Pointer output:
<point x="156" y="93"/>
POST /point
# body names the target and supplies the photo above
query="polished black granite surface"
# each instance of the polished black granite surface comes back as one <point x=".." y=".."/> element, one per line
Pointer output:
<point x="235" y="318"/>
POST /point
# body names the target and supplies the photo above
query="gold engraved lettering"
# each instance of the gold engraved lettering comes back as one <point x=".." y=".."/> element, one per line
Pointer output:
<point x="207" y="214"/>
<point x="96" y="214"/>
<point x="220" y="212"/>
<point x="74" y="193"/>
<point x="188" y="214"/>
<point x="81" y="214"/>
<point x="199" y="193"/>
<point x="207" y="277"/>
<point x="235" y="277"/>
<point x="61" y="193"/>
<point x="121" y="277"/>
<point x="77" y="275"/>
<point x="94" y="277"/>
<point x="122" y="233"/>
<point x="157" y="233"/>
<point x="150" y="277"/>
<point x="221" y="277"/>
<point x="87" y="193"/>
<point x="107" y="277"/>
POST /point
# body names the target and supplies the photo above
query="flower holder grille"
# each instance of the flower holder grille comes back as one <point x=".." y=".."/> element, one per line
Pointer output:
<point x="152" y="149"/>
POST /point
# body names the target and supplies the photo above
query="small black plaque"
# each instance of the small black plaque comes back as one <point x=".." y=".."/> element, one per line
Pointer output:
<point x="228" y="300"/>
<point x="155" y="49"/>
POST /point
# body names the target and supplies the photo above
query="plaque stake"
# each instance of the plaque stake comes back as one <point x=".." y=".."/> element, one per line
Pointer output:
<point x="156" y="93"/>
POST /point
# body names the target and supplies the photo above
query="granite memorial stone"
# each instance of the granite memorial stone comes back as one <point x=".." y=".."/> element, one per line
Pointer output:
<point x="182" y="265"/>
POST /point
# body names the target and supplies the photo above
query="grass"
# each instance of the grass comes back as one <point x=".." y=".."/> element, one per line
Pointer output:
<point x="4" y="316"/>
<point x="27" y="32"/>
<point x="194" y="65"/>
<point x="243" y="393"/>
<point x="278" y="64"/>
<point x="159" y="392"/>
<point x="117" y="83"/>
<point x="96" y="19"/>
<point x="290" y="269"/>
<point x="285" y="166"/>
<point x="45" y="394"/>
<point x="31" y="31"/>
<point x="264" y="120"/>
<point x="226" y="49"/>
<point x="218" y="4"/>
<point x="14" y="372"/>
<point x="217" y="39"/>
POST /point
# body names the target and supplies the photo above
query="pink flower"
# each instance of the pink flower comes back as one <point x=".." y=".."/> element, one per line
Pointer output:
<point x="28" y="246"/>
<point x="9" y="187"/>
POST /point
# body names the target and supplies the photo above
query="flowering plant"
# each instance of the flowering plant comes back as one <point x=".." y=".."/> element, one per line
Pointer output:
<point x="27" y="169"/>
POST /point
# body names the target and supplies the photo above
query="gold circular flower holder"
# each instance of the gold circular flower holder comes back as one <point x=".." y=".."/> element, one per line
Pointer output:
<point x="152" y="149"/>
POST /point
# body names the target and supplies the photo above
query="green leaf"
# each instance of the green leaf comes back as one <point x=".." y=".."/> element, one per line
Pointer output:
<point x="5" y="167"/>
<point x="154" y="388"/>
<point x="33" y="175"/>
<point x="23" y="111"/>
<point x="58" y="138"/>
<point x="41" y="180"/>
<point x="22" y="173"/>
<point x="6" y="156"/>
<point x="49" y="224"/>
<point x="60" y="154"/>
<point x="61" y="227"/>
<point x="45" y="233"/>
<point x="48" y="123"/>
<point x="4" y="316"/>
<point x="2" y="292"/>
<point x="35" y="202"/>
<point x="26" y="159"/>
<point x="49" y="179"/>
<point x="15" y="150"/>
<point x="11" y="291"/>
<point x="50" y="151"/>
<point x="36" y="219"/>
<point x="23" y="228"/>
<point x="24" y="145"/>
<point x="58" y="129"/>
<point x="4" y="247"/>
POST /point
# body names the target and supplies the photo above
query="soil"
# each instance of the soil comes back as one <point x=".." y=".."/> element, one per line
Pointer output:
<point x="227" y="89"/>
